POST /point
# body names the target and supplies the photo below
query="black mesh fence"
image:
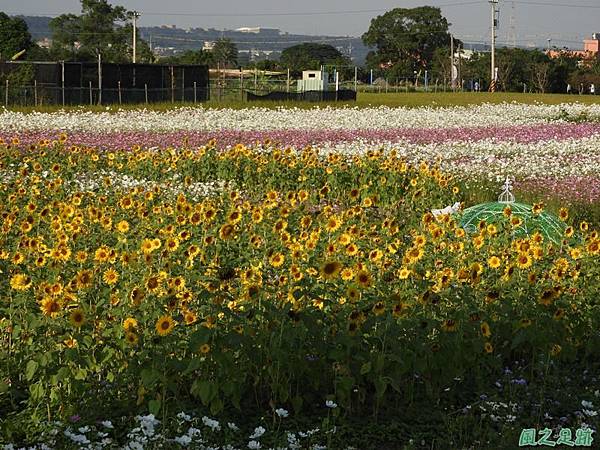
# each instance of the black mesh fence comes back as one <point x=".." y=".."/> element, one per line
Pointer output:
<point x="307" y="96"/>
<point x="89" y="83"/>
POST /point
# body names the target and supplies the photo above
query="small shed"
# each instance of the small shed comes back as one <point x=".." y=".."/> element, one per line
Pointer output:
<point x="313" y="80"/>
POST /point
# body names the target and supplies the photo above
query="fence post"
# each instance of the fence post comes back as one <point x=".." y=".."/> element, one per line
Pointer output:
<point x="99" y="79"/>
<point x="288" y="80"/>
<point x="6" y="94"/>
<point x="62" y="63"/>
<point x="195" y="97"/>
<point x="91" y="96"/>
<point x="146" y="92"/>
<point x="119" y="90"/>
<point x="241" y="85"/>
<point x="183" y="84"/>
<point x="355" y="78"/>
<point x="172" y="85"/>
<point x="35" y="92"/>
<point x="218" y="82"/>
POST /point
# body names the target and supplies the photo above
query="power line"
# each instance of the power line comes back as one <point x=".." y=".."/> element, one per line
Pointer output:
<point x="560" y="5"/>
<point x="317" y="13"/>
<point x="261" y="14"/>
<point x="310" y="13"/>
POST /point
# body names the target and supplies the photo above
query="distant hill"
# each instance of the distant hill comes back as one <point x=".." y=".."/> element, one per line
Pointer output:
<point x="39" y="27"/>
<point x="170" y="39"/>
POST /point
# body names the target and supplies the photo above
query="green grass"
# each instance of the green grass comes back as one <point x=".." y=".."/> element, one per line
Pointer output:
<point x="392" y="99"/>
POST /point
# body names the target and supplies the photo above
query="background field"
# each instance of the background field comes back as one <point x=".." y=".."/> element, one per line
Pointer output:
<point x="365" y="99"/>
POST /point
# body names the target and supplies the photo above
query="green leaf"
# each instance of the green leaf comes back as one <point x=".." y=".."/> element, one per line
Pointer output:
<point x="154" y="407"/>
<point x="297" y="403"/>
<point x="64" y="372"/>
<point x="365" y="368"/>
<point x="206" y="390"/>
<point x="216" y="406"/>
<point x="4" y="387"/>
<point x="37" y="391"/>
<point x="380" y="387"/>
<point x="30" y="370"/>
<point x="149" y="377"/>
<point x="81" y="374"/>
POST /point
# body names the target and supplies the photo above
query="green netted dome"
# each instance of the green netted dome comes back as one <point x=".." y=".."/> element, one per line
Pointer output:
<point x="547" y="224"/>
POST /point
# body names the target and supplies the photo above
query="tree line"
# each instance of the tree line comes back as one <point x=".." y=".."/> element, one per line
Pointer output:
<point x="405" y="43"/>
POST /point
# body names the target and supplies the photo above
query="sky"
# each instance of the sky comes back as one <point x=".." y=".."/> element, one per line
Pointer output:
<point x="565" y="22"/>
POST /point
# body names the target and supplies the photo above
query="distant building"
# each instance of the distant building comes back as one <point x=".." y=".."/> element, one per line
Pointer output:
<point x="313" y="80"/>
<point x="592" y="45"/>
<point x="259" y="30"/>
<point x="208" y="45"/>
<point x="591" y="51"/>
<point x="45" y="43"/>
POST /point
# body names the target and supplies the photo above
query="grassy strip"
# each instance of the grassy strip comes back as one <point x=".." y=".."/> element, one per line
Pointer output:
<point x="364" y="100"/>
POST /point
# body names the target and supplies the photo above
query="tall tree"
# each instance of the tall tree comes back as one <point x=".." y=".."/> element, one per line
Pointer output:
<point x="406" y="37"/>
<point x="100" y="29"/>
<point x="225" y="53"/>
<point x="14" y="36"/>
<point x="190" y="57"/>
<point x="310" y="56"/>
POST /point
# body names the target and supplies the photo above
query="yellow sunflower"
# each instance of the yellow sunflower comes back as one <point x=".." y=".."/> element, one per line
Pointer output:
<point x="333" y="224"/>
<point x="277" y="260"/>
<point x="226" y="231"/>
<point x="485" y="329"/>
<point x="494" y="262"/>
<point x="563" y="214"/>
<point x="172" y="244"/>
<point x="20" y="282"/>
<point x="204" y="349"/>
<point x="363" y="278"/>
<point x="110" y="276"/>
<point x="330" y="270"/>
<point x="131" y="338"/>
<point x="449" y="325"/>
<point x="50" y="307"/>
<point x="190" y="317"/>
<point x="123" y="226"/>
<point x="130" y="324"/>
<point x="164" y="325"/>
<point x="378" y="308"/>
<point x="77" y="318"/>
<point x="524" y="261"/>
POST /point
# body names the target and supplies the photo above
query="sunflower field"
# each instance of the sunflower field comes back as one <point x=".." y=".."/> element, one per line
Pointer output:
<point x="268" y="283"/>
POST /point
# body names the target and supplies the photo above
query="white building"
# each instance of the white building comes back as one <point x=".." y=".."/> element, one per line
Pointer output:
<point x="313" y="80"/>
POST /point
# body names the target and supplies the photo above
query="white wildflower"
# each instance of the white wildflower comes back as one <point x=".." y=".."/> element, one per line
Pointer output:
<point x="258" y="432"/>
<point x="281" y="412"/>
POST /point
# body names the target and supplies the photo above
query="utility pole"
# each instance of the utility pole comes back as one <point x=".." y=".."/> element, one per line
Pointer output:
<point x="452" y="61"/>
<point x="459" y="71"/>
<point x="512" y="33"/>
<point x="135" y="15"/>
<point x="549" y="41"/>
<point x="493" y="4"/>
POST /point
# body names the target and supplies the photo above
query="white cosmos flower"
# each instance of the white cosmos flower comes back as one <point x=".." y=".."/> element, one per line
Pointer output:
<point x="258" y="432"/>
<point x="281" y="412"/>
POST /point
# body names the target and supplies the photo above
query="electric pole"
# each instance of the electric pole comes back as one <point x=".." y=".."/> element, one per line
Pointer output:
<point x="452" y="61"/>
<point x="459" y="71"/>
<point x="135" y="15"/>
<point x="512" y="33"/>
<point x="493" y="3"/>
